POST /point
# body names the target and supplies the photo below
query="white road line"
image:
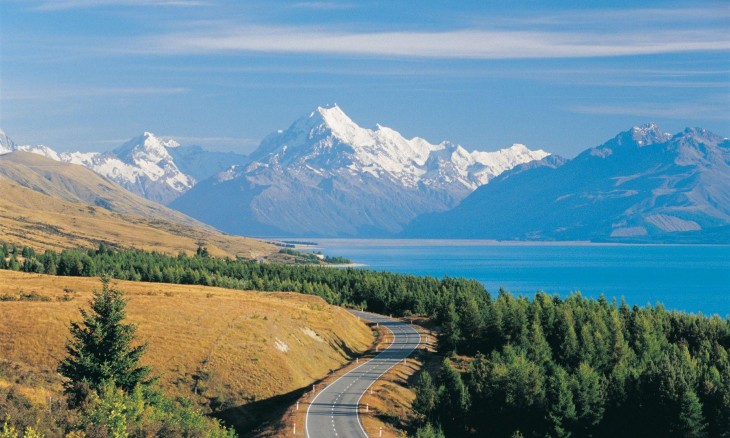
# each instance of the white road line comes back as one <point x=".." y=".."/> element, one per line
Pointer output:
<point x="374" y="363"/>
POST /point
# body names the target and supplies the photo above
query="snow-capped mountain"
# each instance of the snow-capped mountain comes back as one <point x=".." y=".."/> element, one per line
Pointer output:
<point x="146" y="165"/>
<point x="327" y="139"/>
<point x="143" y="165"/>
<point x="7" y="145"/>
<point x="325" y="175"/>
<point x="644" y="185"/>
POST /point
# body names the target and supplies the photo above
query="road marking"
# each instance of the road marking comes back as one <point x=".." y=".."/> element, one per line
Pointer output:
<point x="383" y="361"/>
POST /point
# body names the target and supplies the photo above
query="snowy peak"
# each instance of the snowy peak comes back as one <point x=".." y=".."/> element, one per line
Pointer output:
<point x="328" y="141"/>
<point x="6" y="144"/>
<point x="326" y="175"/>
<point x="340" y="124"/>
<point x="147" y="147"/>
<point x="142" y="165"/>
<point x="637" y="137"/>
<point x="649" y="134"/>
<point x="643" y="135"/>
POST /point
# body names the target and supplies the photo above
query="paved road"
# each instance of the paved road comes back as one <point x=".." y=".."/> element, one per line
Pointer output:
<point x="334" y="410"/>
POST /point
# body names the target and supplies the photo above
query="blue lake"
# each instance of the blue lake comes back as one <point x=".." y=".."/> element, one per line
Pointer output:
<point x="692" y="278"/>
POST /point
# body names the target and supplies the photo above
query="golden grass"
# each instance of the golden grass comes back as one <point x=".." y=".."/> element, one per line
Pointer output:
<point x="218" y="342"/>
<point x="42" y="222"/>
<point x="45" y="204"/>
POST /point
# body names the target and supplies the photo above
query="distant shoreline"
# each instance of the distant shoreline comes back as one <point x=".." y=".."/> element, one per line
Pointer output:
<point x="344" y="265"/>
<point x="319" y="243"/>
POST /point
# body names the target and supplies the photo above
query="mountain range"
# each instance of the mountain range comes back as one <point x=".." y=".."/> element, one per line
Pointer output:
<point x="155" y="168"/>
<point x="644" y="185"/>
<point x="327" y="176"/>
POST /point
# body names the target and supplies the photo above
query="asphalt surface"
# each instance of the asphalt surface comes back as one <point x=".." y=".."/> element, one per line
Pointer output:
<point x="334" y="410"/>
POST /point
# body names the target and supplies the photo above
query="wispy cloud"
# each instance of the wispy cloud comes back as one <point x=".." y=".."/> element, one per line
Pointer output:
<point x="685" y="111"/>
<point x="324" y="5"/>
<point x="456" y="44"/>
<point x="55" y="5"/>
<point x="638" y="17"/>
<point x="65" y="93"/>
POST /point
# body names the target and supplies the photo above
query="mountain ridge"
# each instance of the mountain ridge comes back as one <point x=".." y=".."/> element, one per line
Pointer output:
<point x="643" y="185"/>
<point x="325" y="175"/>
<point x="146" y="165"/>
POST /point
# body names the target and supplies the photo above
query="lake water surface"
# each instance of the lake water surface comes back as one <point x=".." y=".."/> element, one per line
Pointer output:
<point x="682" y="277"/>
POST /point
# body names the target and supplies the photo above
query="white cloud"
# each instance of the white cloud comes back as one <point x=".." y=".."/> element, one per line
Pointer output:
<point x="83" y="4"/>
<point x="456" y="44"/>
<point x="638" y="17"/>
<point x="66" y="93"/>
<point x="323" y="5"/>
<point x="685" y="111"/>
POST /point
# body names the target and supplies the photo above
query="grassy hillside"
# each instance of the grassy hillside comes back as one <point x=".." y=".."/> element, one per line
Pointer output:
<point x="227" y="350"/>
<point x="76" y="183"/>
<point x="49" y="205"/>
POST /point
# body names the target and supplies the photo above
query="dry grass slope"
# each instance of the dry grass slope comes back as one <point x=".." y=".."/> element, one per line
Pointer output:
<point x="229" y="347"/>
<point x="49" y="205"/>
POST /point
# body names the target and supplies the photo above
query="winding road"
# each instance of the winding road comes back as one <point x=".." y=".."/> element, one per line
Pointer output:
<point x="334" y="411"/>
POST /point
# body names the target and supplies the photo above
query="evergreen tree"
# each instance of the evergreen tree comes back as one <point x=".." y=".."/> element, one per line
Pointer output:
<point x="101" y="348"/>
<point x="426" y="394"/>
<point x="450" y="333"/>
<point x="14" y="264"/>
<point x="538" y="348"/>
<point x="561" y="409"/>
<point x="454" y="401"/>
<point x="589" y="398"/>
<point x="569" y="346"/>
<point x="691" y="421"/>
<point x="430" y="431"/>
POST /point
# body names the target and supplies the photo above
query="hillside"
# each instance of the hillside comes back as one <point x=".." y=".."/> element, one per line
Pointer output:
<point x="51" y="205"/>
<point x="227" y="350"/>
<point x="149" y="166"/>
<point x="327" y="176"/>
<point x="644" y="185"/>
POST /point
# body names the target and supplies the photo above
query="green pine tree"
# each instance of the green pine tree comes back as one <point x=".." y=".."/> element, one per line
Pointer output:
<point x="561" y="409"/>
<point x="691" y="420"/>
<point x="454" y="402"/>
<point x="101" y="348"/>
<point x="426" y="394"/>
<point x="430" y="431"/>
<point x="450" y="333"/>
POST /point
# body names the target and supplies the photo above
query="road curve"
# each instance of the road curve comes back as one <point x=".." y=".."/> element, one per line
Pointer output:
<point x="334" y="410"/>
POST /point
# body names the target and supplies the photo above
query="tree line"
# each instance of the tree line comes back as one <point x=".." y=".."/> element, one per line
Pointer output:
<point x="577" y="367"/>
<point x="380" y="292"/>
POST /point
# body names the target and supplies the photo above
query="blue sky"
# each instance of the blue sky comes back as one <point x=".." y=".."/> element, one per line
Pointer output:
<point x="557" y="75"/>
